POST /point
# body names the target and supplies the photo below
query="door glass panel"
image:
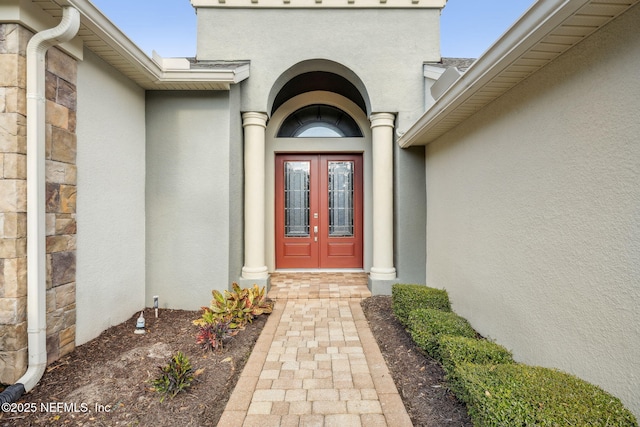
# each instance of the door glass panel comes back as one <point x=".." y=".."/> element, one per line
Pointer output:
<point x="296" y="199"/>
<point x="341" y="199"/>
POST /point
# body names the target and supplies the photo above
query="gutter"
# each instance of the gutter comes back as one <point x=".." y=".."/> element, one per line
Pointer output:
<point x="152" y="72"/>
<point x="180" y="70"/>
<point x="530" y="29"/>
<point x="36" y="244"/>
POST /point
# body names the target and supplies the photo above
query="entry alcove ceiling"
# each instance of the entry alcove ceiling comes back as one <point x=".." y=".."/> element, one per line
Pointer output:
<point x="319" y="80"/>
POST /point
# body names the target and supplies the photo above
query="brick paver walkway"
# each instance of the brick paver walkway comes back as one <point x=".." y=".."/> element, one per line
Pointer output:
<point x="316" y="363"/>
<point x="318" y="285"/>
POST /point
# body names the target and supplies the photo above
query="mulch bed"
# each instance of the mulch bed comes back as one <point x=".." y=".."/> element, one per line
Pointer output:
<point x="418" y="377"/>
<point x="106" y="382"/>
<point x="114" y="371"/>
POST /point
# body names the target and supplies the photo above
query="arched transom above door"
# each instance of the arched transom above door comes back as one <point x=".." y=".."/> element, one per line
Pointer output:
<point x="319" y="121"/>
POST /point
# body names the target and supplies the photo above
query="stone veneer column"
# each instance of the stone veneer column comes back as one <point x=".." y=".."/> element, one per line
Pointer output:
<point x="255" y="268"/>
<point x="13" y="203"/>
<point x="61" y="190"/>
<point x="61" y="196"/>
<point x="382" y="147"/>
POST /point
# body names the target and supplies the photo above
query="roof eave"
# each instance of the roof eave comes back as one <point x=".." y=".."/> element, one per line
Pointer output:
<point x="146" y="72"/>
<point x="527" y="33"/>
<point x="199" y="77"/>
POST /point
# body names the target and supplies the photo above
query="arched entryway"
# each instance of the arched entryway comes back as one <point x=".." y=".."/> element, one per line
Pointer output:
<point x="340" y="158"/>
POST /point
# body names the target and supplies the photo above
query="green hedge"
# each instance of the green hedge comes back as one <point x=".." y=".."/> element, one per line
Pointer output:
<point x="511" y="394"/>
<point x="406" y="298"/>
<point x="497" y="391"/>
<point x="427" y="325"/>
<point x="455" y="351"/>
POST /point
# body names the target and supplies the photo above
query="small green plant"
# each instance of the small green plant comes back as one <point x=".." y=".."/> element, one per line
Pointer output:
<point x="257" y="300"/>
<point x="212" y="335"/>
<point x="237" y="307"/>
<point x="174" y="377"/>
<point x="232" y="307"/>
<point x="406" y="298"/>
<point x="427" y="325"/>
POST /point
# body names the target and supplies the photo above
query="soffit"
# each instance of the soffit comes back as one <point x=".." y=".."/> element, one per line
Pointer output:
<point x="546" y="31"/>
<point x="103" y="38"/>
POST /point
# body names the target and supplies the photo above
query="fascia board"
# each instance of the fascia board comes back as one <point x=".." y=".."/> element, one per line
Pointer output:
<point x="30" y="16"/>
<point x="98" y="23"/>
<point x="179" y="70"/>
<point x="431" y="72"/>
<point x="220" y="76"/>
<point x="242" y="73"/>
<point x="537" y="22"/>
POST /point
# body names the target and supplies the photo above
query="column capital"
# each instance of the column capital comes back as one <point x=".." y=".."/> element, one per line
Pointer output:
<point x="382" y="119"/>
<point x="253" y="118"/>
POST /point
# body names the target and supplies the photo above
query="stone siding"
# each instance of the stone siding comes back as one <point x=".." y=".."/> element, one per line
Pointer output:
<point x="60" y="202"/>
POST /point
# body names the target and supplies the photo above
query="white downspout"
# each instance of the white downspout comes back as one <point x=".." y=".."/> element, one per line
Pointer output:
<point x="36" y="231"/>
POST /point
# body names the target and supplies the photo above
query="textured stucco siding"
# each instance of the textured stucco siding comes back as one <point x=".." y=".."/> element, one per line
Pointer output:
<point x="111" y="202"/>
<point x="236" y="187"/>
<point x="384" y="48"/>
<point x="533" y="222"/>
<point x="409" y="214"/>
<point x="188" y="197"/>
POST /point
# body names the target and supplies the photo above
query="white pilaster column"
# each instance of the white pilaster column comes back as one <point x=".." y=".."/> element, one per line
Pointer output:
<point x="382" y="144"/>
<point x="254" y="125"/>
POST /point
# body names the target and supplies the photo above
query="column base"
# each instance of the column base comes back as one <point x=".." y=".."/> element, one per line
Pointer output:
<point x="378" y="273"/>
<point x="380" y="287"/>
<point x="255" y="272"/>
<point x="262" y="283"/>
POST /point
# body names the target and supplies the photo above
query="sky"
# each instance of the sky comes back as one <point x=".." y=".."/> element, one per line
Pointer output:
<point x="468" y="27"/>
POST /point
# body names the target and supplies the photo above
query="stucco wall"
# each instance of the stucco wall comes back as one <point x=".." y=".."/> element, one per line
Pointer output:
<point x="188" y="194"/>
<point x="110" y="205"/>
<point x="533" y="221"/>
<point x="385" y="48"/>
<point x="409" y="215"/>
<point x="236" y="186"/>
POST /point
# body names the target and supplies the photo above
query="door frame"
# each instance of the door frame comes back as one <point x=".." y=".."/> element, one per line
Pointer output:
<point x="275" y="146"/>
<point x="319" y="255"/>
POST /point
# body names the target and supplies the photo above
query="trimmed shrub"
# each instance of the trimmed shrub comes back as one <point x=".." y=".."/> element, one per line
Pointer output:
<point x="427" y="325"/>
<point x="455" y="351"/>
<point x="521" y="395"/>
<point x="406" y="298"/>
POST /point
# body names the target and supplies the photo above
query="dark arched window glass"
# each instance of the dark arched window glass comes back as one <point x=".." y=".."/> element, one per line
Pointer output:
<point x="319" y="121"/>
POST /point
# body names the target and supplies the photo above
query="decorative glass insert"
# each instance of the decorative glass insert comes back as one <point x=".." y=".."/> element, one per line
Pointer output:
<point x="296" y="199"/>
<point x="341" y="209"/>
<point x="319" y="121"/>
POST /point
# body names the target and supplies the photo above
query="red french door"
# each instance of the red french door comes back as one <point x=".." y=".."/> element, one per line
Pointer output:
<point x="318" y="211"/>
